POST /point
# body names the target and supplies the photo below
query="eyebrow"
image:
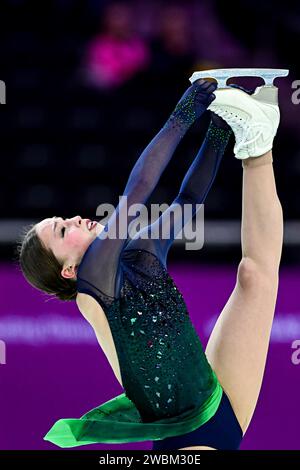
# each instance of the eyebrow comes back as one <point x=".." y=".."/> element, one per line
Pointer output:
<point x="54" y="225"/>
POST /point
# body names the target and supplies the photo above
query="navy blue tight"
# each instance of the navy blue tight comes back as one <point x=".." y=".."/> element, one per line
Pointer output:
<point x="221" y="432"/>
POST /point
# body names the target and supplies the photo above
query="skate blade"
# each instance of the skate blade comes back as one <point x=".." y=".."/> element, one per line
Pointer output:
<point x="222" y="75"/>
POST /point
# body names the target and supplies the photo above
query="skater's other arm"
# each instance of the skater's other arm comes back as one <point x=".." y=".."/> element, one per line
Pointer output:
<point x="193" y="191"/>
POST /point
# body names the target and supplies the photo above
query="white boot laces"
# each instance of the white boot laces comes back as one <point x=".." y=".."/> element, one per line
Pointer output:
<point x="241" y="128"/>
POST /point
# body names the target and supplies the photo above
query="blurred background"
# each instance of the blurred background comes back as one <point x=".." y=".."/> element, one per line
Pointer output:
<point x="88" y="85"/>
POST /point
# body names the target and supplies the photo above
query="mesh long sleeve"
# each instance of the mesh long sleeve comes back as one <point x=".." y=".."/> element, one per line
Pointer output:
<point x="194" y="189"/>
<point x="100" y="263"/>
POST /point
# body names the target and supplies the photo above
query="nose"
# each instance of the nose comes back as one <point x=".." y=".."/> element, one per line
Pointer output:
<point x="75" y="220"/>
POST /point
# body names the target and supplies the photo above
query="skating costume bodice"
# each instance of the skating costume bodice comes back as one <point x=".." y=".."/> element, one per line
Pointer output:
<point x="169" y="387"/>
<point x="163" y="367"/>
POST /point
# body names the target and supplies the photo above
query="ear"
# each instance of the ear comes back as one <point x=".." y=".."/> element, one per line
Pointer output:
<point x="69" y="272"/>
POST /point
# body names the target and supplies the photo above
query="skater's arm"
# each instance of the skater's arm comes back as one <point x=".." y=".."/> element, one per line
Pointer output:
<point x="193" y="191"/>
<point x="105" y="250"/>
<point x="95" y="316"/>
<point x="153" y="160"/>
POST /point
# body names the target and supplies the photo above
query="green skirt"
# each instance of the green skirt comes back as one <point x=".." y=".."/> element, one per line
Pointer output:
<point x="118" y="421"/>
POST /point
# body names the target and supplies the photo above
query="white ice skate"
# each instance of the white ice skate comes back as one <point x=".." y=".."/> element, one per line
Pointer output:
<point x="254" y="118"/>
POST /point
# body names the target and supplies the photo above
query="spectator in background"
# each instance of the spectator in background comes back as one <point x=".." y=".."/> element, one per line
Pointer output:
<point x="117" y="53"/>
<point x="172" y="49"/>
<point x="216" y="45"/>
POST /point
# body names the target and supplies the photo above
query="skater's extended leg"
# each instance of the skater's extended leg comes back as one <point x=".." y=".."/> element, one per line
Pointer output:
<point x="237" y="348"/>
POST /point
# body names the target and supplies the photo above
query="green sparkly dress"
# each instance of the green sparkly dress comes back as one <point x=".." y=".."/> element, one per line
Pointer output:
<point x="169" y="386"/>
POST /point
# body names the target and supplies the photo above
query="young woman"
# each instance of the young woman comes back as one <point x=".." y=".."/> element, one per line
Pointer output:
<point x="174" y="394"/>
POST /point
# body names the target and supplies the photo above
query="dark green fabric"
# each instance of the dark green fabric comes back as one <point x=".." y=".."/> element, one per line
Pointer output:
<point x="163" y="367"/>
<point x="170" y="388"/>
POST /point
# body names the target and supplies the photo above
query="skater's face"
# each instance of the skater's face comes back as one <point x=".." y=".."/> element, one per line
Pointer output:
<point x="68" y="239"/>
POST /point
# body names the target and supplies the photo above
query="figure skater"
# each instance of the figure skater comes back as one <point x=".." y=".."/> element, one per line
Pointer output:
<point x="175" y="394"/>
